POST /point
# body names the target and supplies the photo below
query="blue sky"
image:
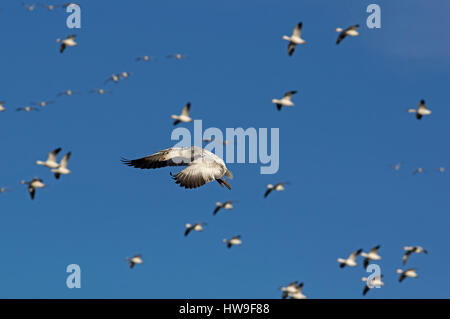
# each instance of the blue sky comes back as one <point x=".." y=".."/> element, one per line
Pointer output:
<point x="349" y="124"/>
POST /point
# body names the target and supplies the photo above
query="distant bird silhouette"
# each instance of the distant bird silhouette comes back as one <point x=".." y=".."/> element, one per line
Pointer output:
<point x="227" y="205"/>
<point x="184" y="116"/>
<point x="27" y="109"/>
<point x="177" y="56"/>
<point x="277" y="187"/>
<point x="62" y="167"/>
<point x="135" y="260"/>
<point x="67" y="93"/>
<point x="295" y="38"/>
<point x="2" y="108"/>
<point x="410" y="250"/>
<point x="145" y="58"/>
<point x="285" y="100"/>
<point x="34" y="184"/>
<point x="236" y="240"/>
<point x="42" y="103"/>
<point x="351" y="259"/>
<point x="195" y="227"/>
<point x="351" y="31"/>
<point x="374" y="282"/>
<point x="411" y="273"/>
<point x="51" y="161"/>
<point x="372" y="255"/>
<point x="69" y="41"/>
<point x="421" y="110"/>
<point x="293" y="290"/>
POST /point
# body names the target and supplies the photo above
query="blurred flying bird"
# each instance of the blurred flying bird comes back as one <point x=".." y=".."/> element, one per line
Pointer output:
<point x="27" y="109"/>
<point x="373" y="282"/>
<point x="236" y="240"/>
<point x="277" y="187"/>
<point x="33" y="185"/>
<point x="411" y="273"/>
<point x="410" y="250"/>
<point x="351" y="259"/>
<point x="51" y="161"/>
<point x="350" y="31"/>
<point x="372" y="255"/>
<point x="62" y="167"/>
<point x="136" y="259"/>
<point x="67" y="42"/>
<point x="195" y="227"/>
<point x="227" y="205"/>
<point x="184" y="116"/>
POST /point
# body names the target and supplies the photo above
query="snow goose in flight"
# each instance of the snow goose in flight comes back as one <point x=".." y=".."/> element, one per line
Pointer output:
<point x="371" y="255"/>
<point x="2" y="108"/>
<point x="115" y="78"/>
<point x="419" y="170"/>
<point x="295" y="38"/>
<point x="29" y="7"/>
<point x="69" y="41"/>
<point x="421" y="110"/>
<point x="285" y="100"/>
<point x="202" y="166"/>
<point x="184" y="116"/>
<point x="99" y="91"/>
<point x="125" y="75"/>
<point x="4" y="189"/>
<point x="277" y="187"/>
<point x="396" y="167"/>
<point x="411" y="273"/>
<point x="236" y="240"/>
<point x="145" y="58"/>
<point x="412" y="249"/>
<point x="350" y="31"/>
<point x="33" y="185"/>
<point x="49" y="7"/>
<point x="177" y="56"/>
<point x="136" y="259"/>
<point x="51" y="161"/>
<point x="42" y="103"/>
<point x="62" y="167"/>
<point x="373" y="282"/>
<point x="350" y="261"/>
<point x="27" y="109"/>
<point x="196" y="227"/>
<point x="442" y="169"/>
<point x="227" y="205"/>
<point x="67" y="92"/>
<point x="293" y="290"/>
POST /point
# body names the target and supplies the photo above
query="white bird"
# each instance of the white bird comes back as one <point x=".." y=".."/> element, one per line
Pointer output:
<point x="4" y="189"/>
<point x="372" y="255"/>
<point x="51" y="161"/>
<point x="42" y="103"/>
<point x="442" y="169"/>
<point x="277" y="187"/>
<point x="145" y="58"/>
<point x="2" y="108"/>
<point x="100" y="91"/>
<point x="350" y="261"/>
<point x="27" y="109"/>
<point x="69" y="41"/>
<point x="29" y="7"/>
<point x="62" y="167"/>
<point x="418" y="171"/>
<point x="410" y="250"/>
<point x="236" y="240"/>
<point x="227" y="205"/>
<point x="136" y="259"/>
<point x="373" y="282"/>
<point x="397" y="166"/>
<point x="177" y="56"/>
<point x="285" y="100"/>
<point x="184" y="116"/>
<point x="421" y="110"/>
<point x="196" y="227"/>
<point x="33" y="185"/>
<point x="125" y="75"/>
<point x="202" y="166"/>
<point x="295" y="38"/>
<point x="411" y="273"/>
<point x="350" y="31"/>
<point x="49" y="7"/>
<point x="67" y="92"/>
<point x="115" y="78"/>
<point x="293" y="290"/>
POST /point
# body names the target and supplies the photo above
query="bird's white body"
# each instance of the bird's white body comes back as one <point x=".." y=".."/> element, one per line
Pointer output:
<point x="374" y="282"/>
<point x="371" y="255"/>
<point x="182" y="118"/>
<point x="62" y="167"/>
<point x="285" y="101"/>
<point x="2" y="108"/>
<point x="351" y="260"/>
<point x="51" y="161"/>
<point x="294" y="39"/>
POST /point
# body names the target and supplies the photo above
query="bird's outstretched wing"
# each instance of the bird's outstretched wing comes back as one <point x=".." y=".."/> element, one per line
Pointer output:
<point x="167" y="157"/>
